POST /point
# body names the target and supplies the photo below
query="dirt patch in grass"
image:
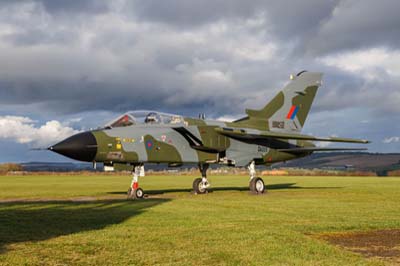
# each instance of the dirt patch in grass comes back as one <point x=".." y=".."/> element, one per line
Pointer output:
<point x="379" y="243"/>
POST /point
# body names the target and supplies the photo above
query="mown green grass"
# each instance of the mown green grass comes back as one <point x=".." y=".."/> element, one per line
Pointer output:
<point x="174" y="227"/>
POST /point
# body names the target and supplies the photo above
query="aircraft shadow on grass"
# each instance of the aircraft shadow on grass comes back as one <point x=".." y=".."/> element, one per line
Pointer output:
<point x="37" y="221"/>
<point x="267" y="187"/>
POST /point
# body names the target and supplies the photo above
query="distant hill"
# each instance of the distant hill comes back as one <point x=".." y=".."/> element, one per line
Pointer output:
<point x="56" y="167"/>
<point x="376" y="162"/>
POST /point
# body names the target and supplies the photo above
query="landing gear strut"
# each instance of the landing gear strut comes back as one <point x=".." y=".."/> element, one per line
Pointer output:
<point x="135" y="192"/>
<point x="200" y="185"/>
<point x="256" y="183"/>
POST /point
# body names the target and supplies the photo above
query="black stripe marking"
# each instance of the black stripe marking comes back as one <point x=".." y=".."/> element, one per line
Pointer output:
<point x="192" y="139"/>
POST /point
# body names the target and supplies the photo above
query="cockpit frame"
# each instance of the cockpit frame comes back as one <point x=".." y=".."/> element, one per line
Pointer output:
<point x="145" y="117"/>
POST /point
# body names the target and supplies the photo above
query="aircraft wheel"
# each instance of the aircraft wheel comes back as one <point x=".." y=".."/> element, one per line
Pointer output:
<point x="135" y="193"/>
<point x="198" y="187"/>
<point x="257" y="185"/>
<point x="139" y="194"/>
<point x="129" y="193"/>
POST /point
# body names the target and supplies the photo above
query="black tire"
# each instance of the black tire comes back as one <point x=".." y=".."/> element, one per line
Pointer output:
<point x="257" y="185"/>
<point x="129" y="194"/>
<point x="197" y="189"/>
<point x="252" y="185"/>
<point x="139" y="194"/>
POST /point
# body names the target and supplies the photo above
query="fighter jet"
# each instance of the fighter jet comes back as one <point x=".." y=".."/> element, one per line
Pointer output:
<point x="262" y="137"/>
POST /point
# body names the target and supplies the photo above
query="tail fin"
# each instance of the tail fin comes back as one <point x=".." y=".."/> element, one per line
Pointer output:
<point x="289" y="109"/>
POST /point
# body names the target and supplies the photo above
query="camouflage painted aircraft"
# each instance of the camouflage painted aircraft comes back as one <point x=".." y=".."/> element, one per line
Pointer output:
<point x="262" y="137"/>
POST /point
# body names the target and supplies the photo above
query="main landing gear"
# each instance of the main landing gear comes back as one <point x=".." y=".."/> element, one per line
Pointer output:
<point x="200" y="185"/>
<point x="135" y="192"/>
<point x="256" y="183"/>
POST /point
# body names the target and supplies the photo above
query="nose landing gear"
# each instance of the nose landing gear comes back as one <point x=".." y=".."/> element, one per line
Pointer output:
<point x="135" y="192"/>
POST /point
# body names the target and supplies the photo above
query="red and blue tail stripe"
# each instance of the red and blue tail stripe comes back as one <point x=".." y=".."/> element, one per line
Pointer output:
<point x="293" y="112"/>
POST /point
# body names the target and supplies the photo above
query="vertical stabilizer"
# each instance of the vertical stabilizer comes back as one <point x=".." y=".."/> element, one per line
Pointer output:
<point x="288" y="110"/>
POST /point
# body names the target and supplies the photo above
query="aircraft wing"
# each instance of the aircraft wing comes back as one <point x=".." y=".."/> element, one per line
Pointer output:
<point x="258" y="134"/>
<point x="316" y="149"/>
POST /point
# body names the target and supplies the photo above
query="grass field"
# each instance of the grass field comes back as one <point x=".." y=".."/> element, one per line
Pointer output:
<point x="86" y="220"/>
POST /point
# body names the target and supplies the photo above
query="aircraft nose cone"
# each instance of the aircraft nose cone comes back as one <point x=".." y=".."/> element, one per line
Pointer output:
<point x="82" y="147"/>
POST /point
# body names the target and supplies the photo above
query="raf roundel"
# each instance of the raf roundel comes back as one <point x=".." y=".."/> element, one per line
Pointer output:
<point x="149" y="144"/>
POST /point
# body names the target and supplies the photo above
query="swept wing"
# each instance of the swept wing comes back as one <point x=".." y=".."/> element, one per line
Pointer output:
<point x="257" y="134"/>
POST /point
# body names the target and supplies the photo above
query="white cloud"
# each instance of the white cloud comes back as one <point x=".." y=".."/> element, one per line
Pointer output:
<point x="366" y="62"/>
<point x="25" y="130"/>
<point x="391" y="140"/>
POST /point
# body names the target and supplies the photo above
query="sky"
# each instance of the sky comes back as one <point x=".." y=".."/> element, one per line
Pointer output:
<point x="69" y="66"/>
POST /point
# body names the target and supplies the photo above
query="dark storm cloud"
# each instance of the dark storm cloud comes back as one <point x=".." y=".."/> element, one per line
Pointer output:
<point x="289" y="15"/>
<point x="63" y="6"/>
<point x="186" y="14"/>
<point x="319" y="26"/>
<point x="40" y="36"/>
<point x="288" y="19"/>
<point x="73" y="7"/>
<point x="180" y="55"/>
<point x="358" y="24"/>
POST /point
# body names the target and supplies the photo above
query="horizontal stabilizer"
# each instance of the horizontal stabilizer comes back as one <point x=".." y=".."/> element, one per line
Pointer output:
<point x="316" y="149"/>
<point x="257" y="134"/>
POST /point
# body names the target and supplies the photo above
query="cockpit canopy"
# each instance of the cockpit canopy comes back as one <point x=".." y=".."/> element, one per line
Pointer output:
<point x="145" y="117"/>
